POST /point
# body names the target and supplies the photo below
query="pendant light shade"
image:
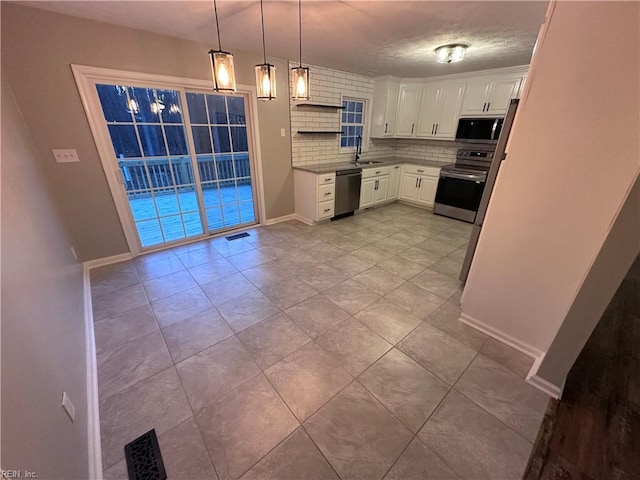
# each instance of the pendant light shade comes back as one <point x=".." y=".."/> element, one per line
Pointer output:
<point x="222" y="71"/>
<point x="300" y="74"/>
<point x="265" y="72"/>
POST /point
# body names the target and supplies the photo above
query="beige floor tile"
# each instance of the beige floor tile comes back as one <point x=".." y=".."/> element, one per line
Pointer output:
<point x="402" y="267"/>
<point x="233" y="247"/>
<point x="242" y="427"/>
<point x="378" y="280"/>
<point x="249" y="259"/>
<point x="508" y="357"/>
<point x="116" y="472"/>
<point x="409" y="391"/>
<point x="227" y="288"/>
<point x="115" y="302"/>
<point x="353" y="344"/>
<point x="388" y="320"/>
<point x="113" y="277"/>
<point x="452" y="238"/>
<point x="420" y="256"/>
<point x="131" y="363"/>
<point x="247" y="310"/>
<point x="437" y="283"/>
<point x="508" y="398"/>
<point x="324" y="251"/>
<point x="358" y="436"/>
<point x="415" y="300"/>
<point x="157" y="264"/>
<point x="296" y="458"/>
<point x="418" y="462"/>
<point x="474" y="443"/>
<point x="351" y="296"/>
<point x="205" y="254"/>
<point x="210" y="271"/>
<point x="194" y="334"/>
<point x="448" y="266"/>
<point x="288" y="293"/>
<point x="270" y="341"/>
<point x="157" y="402"/>
<point x="408" y="237"/>
<point x="266" y="274"/>
<point x="372" y="254"/>
<point x="321" y="277"/>
<point x="350" y="265"/>
<point x="316" y="315"/>
<point x="348" y="243"/>
<point x="168" y="285"/>
<point x="307" y="379"/>
<point x="216" y="371"/>
<point x="184" y="454"/>
<point x="438" y="247"/>
<point x="437" y="352"/>
<point x="111" y="332"/>
<point x="447" y="319"/>
<point x="180" y="306"/>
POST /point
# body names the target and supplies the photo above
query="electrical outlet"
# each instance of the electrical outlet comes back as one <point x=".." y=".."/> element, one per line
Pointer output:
<point x="68" y="407"/>
<point x="282" y="132"/>
<point x="65" y="155"/>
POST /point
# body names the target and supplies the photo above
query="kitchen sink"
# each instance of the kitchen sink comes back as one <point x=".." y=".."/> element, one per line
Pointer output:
<point x="370" y="162"/>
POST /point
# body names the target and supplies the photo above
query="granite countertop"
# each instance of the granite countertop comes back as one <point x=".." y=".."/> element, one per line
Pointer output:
<point x="380" y="162"/>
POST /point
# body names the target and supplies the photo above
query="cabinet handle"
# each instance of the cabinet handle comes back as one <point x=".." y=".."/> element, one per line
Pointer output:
<point x="327" y="209"/>
<point x="436" y="128"/>
<point x="420" y="171"/>
<point x="416" y="183"/>
<point x="420" y="184"/>
<point x="433" y="126"/>
<point x="484" y="105"/>
<point x="488" y="105"/>
<point x="412" y="125"/>
<point x="377" y="172"/>
<point x="385" y="128"/>
<point x="397" y="166"/>
<point x="327" y="193"/>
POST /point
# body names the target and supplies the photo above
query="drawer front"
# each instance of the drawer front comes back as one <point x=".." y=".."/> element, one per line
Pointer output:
<point x="325" y="210"/>
<point x="326" y="192"/>
<point x="375" y="172"/>
<point x="420" y="170"/>
<point x="326" y="178"/>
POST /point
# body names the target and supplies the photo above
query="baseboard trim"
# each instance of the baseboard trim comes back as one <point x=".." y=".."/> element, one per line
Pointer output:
<point x="101" y="262"/>
<point x="93" y="404"/>
<point x="540" y="383"/>
<point x="500" y="336"/>
<point x="284" y="218"/>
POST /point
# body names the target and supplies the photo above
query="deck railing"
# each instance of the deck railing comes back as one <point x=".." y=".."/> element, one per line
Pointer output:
<point x="166" y="173"/>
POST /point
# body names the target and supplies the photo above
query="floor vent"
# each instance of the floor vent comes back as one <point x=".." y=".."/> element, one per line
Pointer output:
<point x="144" y="461"/>
<point x="237" y="236"/>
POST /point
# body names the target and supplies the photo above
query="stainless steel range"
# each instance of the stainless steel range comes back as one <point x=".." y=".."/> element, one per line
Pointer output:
<point x="461" y="183"/>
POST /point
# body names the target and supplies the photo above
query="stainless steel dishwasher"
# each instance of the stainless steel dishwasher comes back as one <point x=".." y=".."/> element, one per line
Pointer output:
<point x="347" y="191"/>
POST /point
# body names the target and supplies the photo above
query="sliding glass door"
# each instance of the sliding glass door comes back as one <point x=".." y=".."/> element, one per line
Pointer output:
<point x="186" y="172"/>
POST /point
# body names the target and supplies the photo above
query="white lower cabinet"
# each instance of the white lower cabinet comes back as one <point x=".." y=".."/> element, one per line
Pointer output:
<point x="314" y="195"/>
<point x="419" y="184"/>
<point x="394" y="182"/>
<point x="375" y="186"/>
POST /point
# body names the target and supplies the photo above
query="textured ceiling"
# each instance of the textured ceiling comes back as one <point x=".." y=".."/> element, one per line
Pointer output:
<point x="367" y="37"/>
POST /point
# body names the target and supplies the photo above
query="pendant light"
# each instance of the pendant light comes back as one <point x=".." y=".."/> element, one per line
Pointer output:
<point x="300" y="74"/>
<point x="265" y="72"/>
<point x="224" y="77"/>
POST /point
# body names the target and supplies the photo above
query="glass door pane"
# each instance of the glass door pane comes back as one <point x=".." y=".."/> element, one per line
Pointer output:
<point x="148" y="135"/>
<point x="219" y="129"/>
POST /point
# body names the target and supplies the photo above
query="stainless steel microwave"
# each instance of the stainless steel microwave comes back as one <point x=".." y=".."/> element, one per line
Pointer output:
<point x="479" y="130"/>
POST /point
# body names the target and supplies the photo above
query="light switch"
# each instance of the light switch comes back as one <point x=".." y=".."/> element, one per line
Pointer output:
<point x="66" y="155"/>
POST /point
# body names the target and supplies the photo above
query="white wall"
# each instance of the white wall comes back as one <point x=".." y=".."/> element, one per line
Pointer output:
<point x="573" y="156"/>
<point x="43" y="334"/>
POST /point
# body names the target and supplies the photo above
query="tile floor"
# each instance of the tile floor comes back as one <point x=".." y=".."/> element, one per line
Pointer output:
<point x="299" y="352"/>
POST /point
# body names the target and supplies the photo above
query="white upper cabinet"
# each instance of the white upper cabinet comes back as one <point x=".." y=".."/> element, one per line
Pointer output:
<point x="385" y="105"/>
<point x="408" y="104"/>
<point x="489" y="97"/>
<point x="440" y="110"/>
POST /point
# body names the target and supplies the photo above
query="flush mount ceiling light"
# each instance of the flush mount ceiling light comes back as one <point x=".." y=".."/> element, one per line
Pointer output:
<point x="450" y="53"/>
<point x="224" y="77"/>
<point x="265" y="72"/>
<point x="300" y="75"/>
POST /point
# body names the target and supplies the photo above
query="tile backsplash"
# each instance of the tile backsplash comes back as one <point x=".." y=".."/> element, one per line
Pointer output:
<point x="328" y="86"/>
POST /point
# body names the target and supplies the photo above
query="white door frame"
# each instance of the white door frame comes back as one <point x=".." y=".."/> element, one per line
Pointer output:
<point x="86" y="77"/>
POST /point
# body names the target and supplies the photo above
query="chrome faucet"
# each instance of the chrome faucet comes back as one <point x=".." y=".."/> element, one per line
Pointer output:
<point x="358" y="149"/>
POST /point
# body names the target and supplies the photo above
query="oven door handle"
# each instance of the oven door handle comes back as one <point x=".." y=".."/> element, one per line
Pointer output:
<point x="477" y="177"/>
